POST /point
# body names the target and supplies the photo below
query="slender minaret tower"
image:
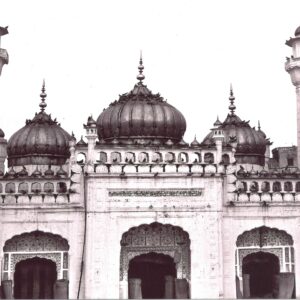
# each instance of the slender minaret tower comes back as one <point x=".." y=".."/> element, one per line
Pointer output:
<point x="3" y="52"/>
<point x="292" y="66"/>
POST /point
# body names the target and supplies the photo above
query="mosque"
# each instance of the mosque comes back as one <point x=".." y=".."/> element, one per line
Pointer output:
<point x="133" y="211"/>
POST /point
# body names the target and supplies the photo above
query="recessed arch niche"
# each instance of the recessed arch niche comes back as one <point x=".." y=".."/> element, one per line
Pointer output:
<point x="270" y="251"/>
<point x="155" y="239"/>
<point x="38" y="249"/>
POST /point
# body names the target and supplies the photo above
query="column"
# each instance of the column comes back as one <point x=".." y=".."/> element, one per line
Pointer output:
<point x="135" y="288"/>
<point x="169" y="287"/>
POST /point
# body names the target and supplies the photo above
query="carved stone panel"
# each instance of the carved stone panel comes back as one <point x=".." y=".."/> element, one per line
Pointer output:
<point x="264" y="236"/>
<point x="36" y="241"/>
<point x="156" y="193"/>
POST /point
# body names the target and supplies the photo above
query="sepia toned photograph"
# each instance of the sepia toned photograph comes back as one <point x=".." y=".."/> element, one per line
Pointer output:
<point x="149" y="149"/>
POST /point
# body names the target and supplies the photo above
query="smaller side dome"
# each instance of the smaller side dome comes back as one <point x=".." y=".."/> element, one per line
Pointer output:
<point x="40" y="142"/>
<point x="251" y="143"/>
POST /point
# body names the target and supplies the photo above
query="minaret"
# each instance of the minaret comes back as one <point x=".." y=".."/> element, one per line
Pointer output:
<point x="292" y="66"/>
<point x="3" y="52"/>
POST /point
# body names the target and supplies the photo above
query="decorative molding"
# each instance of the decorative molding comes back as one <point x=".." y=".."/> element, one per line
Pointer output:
<point x="156" y="193"/>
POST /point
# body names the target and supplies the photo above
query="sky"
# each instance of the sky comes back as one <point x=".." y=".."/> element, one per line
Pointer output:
<point x="88" y="53"/>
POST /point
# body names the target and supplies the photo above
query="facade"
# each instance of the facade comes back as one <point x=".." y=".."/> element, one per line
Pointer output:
<point x="133" y="211"/>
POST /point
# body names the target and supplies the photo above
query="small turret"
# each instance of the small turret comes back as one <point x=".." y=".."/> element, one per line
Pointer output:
<point x="218" y="137"/>
<point x="91" y="135"/>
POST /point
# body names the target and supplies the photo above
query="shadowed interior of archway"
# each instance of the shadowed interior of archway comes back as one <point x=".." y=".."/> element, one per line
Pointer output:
<point x="152" y="269"/>
<point x="262" y="268"/>
<point x="34" y="278"/>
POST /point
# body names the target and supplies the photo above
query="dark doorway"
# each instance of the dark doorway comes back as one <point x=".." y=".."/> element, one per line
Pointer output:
<point x="261" y="268"/>
<point x="152" y="268"/>
<point x="34" y="279"/>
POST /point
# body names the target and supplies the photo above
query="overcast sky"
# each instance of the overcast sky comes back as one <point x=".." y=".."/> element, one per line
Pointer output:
<point x="88" y="53"/>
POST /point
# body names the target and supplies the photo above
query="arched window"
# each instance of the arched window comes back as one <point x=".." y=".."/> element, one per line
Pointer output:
<point x="209" y="158"/>
<point x="143" y="157"/>
<point x="276" y="186"/>
<point x="36" y="187"/>
<point x="183" y="157"/>
<point x="170" y="157"/>
<point x="61" y="187"/>
<point x="242" y="186"/>
<point x="23" y="188"/>
<point x="115" y="157"/>
<point x="129" y="157"/>
<point x="288" y="186"/>
<point x="49" y="187"/>
<point x="103" y="157"/>
<point x="265" y="187"/>
<point x="81" y="158"/>
<point x="156" y="157"/>
<point x="10" y="188"/>
<point x="254" y="187"/>
<point x="225" y="159"/>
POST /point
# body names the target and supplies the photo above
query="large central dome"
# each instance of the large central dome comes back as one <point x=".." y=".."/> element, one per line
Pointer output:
<point x="141" y="117"/>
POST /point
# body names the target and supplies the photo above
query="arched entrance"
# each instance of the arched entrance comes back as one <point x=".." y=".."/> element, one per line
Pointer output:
<point x="34" y="278"/>
<point x="263" y="269"/>
<point x="34" y="260"/>
<point x="154" y="271"/>
<point x="265" y="264"/>
<point x="155" y="255"/>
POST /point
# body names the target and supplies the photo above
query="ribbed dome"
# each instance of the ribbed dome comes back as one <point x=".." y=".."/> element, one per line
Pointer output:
<point x="40" y="142"/>
<point x="251" y="143"/>
<point x="141" y="117"/>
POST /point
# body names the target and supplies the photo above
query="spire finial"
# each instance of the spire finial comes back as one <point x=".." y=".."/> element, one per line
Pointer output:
<point x="141" y="76"/>
<point x="231" y="107"/>
<point x="258" y="125"/>
<point x="43" y="95"/>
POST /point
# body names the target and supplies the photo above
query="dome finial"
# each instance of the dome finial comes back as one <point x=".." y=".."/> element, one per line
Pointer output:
<point x="258" y="125"/>
<point x="43" y="95"/>
<point x="231" y="107"/>
<point x="141" y="76"/>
